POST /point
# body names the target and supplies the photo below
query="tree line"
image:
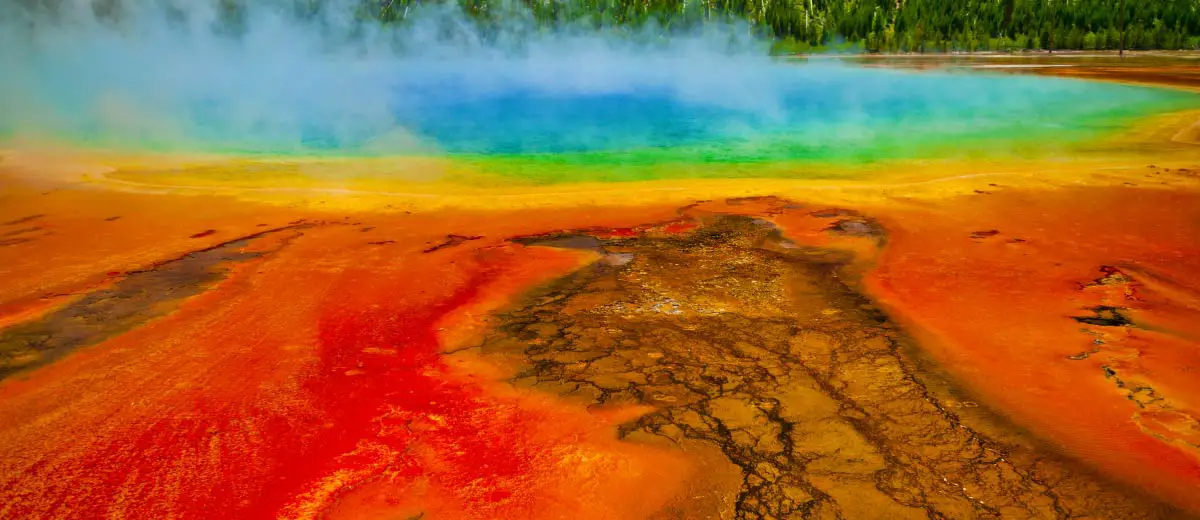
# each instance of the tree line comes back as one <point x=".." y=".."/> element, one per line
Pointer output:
<point x="820" y="25"/>
<point x="893" y="25"/>
<point x="986" y="25"/>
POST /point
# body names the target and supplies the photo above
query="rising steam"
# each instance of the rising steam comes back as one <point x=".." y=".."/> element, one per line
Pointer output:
<point x="275" y="79"/>
<point x="179" y="74"/>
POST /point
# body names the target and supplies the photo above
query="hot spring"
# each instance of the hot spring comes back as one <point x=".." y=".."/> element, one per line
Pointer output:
<point x="545" y="105"/>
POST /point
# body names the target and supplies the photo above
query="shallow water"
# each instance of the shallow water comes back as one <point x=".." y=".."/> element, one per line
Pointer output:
<point x="814" y="112"/>
<point x="529" y="113"/>
<point x="643" y="128"/>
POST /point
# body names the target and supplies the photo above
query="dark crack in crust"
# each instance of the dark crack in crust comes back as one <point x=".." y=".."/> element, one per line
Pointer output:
<point x="748" y="343"/>
<point x="1112" y="328"/>
<point x="451" y="241"/>
<point x="1105" y="316"/>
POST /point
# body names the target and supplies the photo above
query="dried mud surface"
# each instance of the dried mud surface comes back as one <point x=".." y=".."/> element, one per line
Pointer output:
<point x="762" y="359"/>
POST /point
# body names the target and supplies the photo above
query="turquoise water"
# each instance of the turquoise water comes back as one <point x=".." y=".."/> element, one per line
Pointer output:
<point x="803" y="113"/>
<point x="783" y="112"/>
<point x="518" y="102"/>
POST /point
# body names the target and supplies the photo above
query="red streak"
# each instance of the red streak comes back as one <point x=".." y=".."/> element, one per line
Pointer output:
<point x="675" y="228"/>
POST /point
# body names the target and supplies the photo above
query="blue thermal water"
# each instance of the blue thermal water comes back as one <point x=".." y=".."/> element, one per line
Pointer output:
<point x="290" y="86"/>
<point x="802" y="112"/>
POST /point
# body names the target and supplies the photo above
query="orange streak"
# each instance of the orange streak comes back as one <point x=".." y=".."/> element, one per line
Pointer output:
<point x="311" y="382"/>
<point x="996" y="310"/>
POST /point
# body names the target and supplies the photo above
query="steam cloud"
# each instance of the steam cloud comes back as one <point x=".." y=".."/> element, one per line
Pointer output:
<point x="171" y="74"/>
<point x="178" y="74"/>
